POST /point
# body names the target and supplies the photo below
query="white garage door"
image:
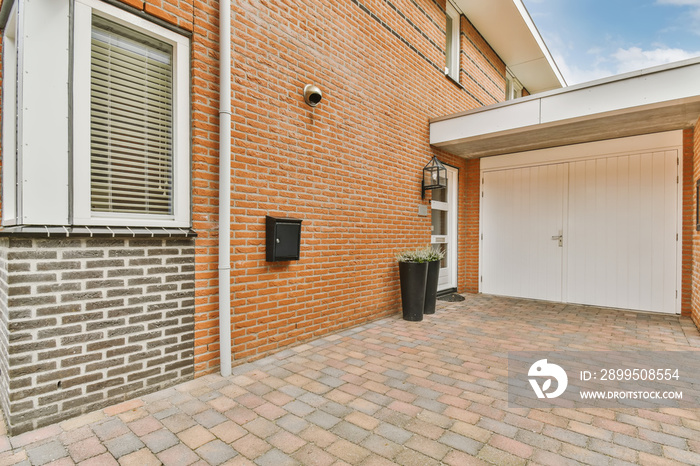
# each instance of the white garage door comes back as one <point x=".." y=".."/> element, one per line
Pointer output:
<point x="599" y="231"/>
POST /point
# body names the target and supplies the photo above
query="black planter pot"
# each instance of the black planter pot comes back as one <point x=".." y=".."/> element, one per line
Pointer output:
<point x="413" y="276"/>
<point x="431" y="287"/>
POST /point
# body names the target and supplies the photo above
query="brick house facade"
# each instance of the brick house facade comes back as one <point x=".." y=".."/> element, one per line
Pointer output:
<point x="94" y="314"/>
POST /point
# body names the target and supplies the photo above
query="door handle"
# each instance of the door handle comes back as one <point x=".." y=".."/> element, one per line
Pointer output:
<point x="559" y="238"/>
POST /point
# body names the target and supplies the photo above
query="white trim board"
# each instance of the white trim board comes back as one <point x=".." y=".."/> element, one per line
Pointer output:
<point x="589" y="150"/>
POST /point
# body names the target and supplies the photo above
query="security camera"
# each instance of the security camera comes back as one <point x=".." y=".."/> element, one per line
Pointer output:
<point x="312" y="95"/>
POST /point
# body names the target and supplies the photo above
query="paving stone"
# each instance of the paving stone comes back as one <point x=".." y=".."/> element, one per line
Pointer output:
<point x="612" y="450"/>
<point x="216" y="452"/>
<point x="145" y="426"/>
<point x="251" y="446"/>
<point x="425" y="429"/>
<point x="313" y="455"/>
<point x="350" y="432"/>
<point x="663" y="439"/>
<point x="275" y="457"/>
<point x="637" y="444"/>
<point x="143" y="457"/>
<point x="500" y="457"/>
<point x="5" y="443"/>
<point x="565" y="436"/>
<point x="160" y="440"/>
<point x="209" y="418"/>
<point x="123" y="445"/>
<point x="322" y="419"/>
<point x="222" y="403"/>
<point x="428" y="447"/>
<point x="261" y="427"/>
<point x="393" y="433"/>
<point x="389" y="393"/>
<point x="228" y="431"/>
<point x="348" y="451"/>
<point x="298" y="408"/>
<point x="46" y="452"/>
<point x="413" y="458"/>
<point x="362" y="420"/>
<point x="178" y="455"/>
<point x="85" y="449"/>
<point x="381" y="446"/>
<point x="318" y="436"/>
<point x="461" y="443"/>
<point x="195" y="437"/>
<point x="110" y="429"/>
<point x="458" y="458"/>
<point x="583" y="455"/>
<point x="178" y="422"/>
<point x="105" y="459"/>
<point x="286" y="442"/>
<point x="683" y="456"/>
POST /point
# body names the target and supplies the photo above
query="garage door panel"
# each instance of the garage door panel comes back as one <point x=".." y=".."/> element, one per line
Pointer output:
<point x="621" y="250"/>
<point x="523" y="260"/>
<point x="619" y="216"/>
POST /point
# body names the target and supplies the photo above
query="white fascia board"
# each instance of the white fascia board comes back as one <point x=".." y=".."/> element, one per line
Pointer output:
<point x="503" y="118"/>
<point x="634" y="90"/>
<point x="666" y="84"/>
<point x="535" y="33"/>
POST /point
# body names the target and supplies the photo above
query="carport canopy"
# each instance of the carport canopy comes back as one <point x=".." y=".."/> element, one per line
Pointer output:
<point x="662" y="98"/>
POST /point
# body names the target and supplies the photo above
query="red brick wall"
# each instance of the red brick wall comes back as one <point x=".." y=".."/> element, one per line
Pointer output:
<point x="688" y="178"/>
<point x="482" y="71"/>
<point x="350" y="168"/>
<point x="695" y="243"/>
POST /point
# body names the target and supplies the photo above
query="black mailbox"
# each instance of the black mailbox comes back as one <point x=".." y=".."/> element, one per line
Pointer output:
<point x="283" y="238"/>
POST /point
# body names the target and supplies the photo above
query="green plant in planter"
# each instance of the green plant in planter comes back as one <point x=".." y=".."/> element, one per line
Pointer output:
<point x="420" y="255"/>
<point x="413" y="272"/>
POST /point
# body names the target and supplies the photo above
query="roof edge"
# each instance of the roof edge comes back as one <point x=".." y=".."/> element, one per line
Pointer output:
<point x="576" y="87"/>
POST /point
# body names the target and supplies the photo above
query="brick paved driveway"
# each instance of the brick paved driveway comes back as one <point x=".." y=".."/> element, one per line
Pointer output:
<point x="391" y="392"/>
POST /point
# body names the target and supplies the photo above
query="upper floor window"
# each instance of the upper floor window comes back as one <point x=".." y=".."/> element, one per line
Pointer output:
<point x="513" y="87"/>
<point x="452" y="28"/>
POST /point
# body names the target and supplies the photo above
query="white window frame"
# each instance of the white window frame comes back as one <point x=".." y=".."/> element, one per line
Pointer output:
<point x="452" y="61"/>
<point x="82" y="212"/>
<point x="514" y="89"/>
<point x="9" y="120"/>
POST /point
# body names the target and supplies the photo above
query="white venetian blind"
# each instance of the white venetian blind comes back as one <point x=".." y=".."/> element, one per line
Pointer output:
<point x="131" y="124"/>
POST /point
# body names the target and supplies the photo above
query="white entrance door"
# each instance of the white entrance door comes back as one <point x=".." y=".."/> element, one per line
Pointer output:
<point x="522" y="221"/>
<point x="444" y="229"/>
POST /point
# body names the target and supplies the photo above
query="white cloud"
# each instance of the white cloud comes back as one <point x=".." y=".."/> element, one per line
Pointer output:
<point x="634" y="58"/>
<point x="679" y="2"/>
<point x="575" y="74"/>
<point x="620" y="61"/>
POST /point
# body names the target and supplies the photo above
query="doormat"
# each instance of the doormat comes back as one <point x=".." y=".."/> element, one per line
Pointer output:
<point x="451" y="298"/>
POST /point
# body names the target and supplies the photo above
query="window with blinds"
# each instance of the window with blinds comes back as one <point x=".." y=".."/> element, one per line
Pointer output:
<point x="131" y="121"/>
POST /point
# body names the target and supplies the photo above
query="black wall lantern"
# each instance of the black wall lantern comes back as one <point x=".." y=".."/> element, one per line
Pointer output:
<point x="434" y="176"/>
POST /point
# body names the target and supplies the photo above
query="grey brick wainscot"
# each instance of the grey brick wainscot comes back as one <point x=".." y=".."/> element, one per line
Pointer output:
<point x="86" y="322"/>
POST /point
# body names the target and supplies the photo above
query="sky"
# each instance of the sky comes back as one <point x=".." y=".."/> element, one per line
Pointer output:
<point x="593" y="39"/>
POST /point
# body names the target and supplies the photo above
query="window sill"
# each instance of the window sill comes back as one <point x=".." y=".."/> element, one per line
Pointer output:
<point x="454" y="81"/>
<point x="97" y="231"/>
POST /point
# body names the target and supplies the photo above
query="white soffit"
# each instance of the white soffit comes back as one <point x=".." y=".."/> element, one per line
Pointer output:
<point x="659" y="99"/>
<point x="508" y="28"/>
